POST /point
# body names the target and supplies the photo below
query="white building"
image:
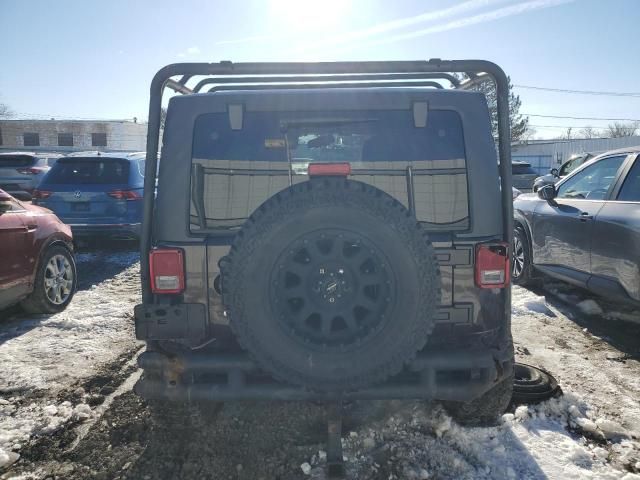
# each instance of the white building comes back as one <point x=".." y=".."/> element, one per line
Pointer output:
<point x="72" y="135"/>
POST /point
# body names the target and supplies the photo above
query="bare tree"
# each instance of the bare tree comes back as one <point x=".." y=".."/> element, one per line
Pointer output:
<point x="590" y="132"/>
<point x="520" y="129"/>
<point x="529" y="133"/>
<point x="5" y="111"/>
<point x="568" y="135"/>
<point x="618" y="129"/>
<point x="163" y="117"/>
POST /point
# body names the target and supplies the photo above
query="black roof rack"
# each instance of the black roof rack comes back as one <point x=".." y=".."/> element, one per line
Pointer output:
<point x="238" y="76"/>
<point x="293" y="86"/>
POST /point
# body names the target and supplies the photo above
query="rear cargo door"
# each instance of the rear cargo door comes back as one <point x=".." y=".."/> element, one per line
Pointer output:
<point x="86" y="189"/>
<point x="14" y="171"/>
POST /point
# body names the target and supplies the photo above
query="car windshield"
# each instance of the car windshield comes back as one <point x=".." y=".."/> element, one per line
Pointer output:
<point x="571" y="165"/>
<point x="83" y="171"/>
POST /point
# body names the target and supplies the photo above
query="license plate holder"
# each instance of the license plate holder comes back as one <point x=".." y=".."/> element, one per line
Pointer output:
<point x="80" y="207"/>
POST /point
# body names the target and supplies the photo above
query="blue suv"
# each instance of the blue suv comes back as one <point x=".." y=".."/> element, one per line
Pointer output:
<point x="96" y="193"/>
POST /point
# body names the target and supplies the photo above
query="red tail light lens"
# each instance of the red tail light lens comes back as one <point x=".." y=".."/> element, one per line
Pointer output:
<point x="329" y="169"/>
<point x="30" y="170"/>
<point x="40" y="194"/>
<point x="125" y="195"/>
<point x="166" y="267"/>
<point x="492" y="265"/>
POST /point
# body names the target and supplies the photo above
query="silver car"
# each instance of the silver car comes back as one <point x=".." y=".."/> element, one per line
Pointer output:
<point x="584" y="230"/>
<point x="523" y="176"/>
<point x="565" y="169"/>
<point x="21" y="172"/>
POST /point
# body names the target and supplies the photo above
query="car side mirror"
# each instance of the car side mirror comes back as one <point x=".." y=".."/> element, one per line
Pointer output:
<point x="555" y="173"/>
<point x="547" y="192"/>
<point x="5" y="206"/>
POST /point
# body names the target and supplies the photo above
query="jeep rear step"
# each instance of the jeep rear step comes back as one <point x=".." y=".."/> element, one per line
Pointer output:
<point x="445" y="374"/>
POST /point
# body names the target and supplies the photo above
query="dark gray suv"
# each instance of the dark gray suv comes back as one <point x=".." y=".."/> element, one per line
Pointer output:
<point x="586" y="229"/>
<point x="339" y="240"/>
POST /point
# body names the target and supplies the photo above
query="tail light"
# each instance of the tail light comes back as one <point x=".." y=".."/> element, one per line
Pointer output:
<point x="125" y="195"/>
<point x="166" y="267"/>
<point x="329" y="169"/>
<point x="492" y="265"/>
<point x="40" y="194"/>
<point x="30" y="170"/>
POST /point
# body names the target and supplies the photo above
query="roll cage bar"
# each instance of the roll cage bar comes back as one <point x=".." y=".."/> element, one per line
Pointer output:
<point x="241" y="76"/>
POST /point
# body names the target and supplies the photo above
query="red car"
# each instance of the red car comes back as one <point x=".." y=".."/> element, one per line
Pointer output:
<point x="37" y="267"/>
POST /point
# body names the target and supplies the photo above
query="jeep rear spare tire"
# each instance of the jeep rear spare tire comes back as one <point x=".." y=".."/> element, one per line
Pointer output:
<point x="331" y="284"/>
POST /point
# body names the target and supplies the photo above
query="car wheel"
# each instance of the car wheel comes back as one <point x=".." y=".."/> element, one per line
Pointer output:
<point x="332" y="285"/>
<point x="521" y="262"/>
<point x="55" y="282"/>
<point x="533" y="385"/>
<point x="484" y="410"/>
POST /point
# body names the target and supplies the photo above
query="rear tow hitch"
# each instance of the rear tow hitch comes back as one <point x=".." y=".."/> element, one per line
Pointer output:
<point x="335" y="460"/>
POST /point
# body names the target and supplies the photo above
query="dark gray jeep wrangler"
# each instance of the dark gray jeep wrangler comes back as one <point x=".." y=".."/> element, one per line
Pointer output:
<point x="328" y="232"/>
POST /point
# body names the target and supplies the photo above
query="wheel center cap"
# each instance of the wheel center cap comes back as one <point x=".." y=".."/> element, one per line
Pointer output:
<point x="331" y="285"/>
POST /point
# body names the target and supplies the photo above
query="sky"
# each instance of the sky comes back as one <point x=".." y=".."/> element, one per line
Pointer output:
<point x="89" y="59"/>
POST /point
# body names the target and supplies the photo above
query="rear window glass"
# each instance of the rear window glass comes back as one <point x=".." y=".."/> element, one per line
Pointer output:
<point x="17" y="161"/>
<point x="88" y="171"/>
<point x="522" y="169"/>
<point x="234" y="171"/>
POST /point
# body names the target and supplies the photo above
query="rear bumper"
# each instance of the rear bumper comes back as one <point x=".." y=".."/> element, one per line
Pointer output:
<point x="111" y="230"/>
<point x="442" y="374"/>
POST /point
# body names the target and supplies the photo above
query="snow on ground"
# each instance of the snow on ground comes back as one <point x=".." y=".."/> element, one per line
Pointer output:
<point x="591" y="432"/>
<point x="42" y="355"/>
<point x="581" y="361"/>
<point x="419" y="442"/>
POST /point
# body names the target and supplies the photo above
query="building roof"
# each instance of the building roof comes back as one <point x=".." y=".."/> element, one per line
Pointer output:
<point x="65" y="120"/>
<point x="96" y="154"/>
<point x="32" y="154"/>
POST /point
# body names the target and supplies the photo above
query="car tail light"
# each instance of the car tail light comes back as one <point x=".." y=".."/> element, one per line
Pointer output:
<point x="329" y="169"/>
<point x="492" y="265"/>
<point x="125" y="195"/>
<point x="40" y="194"/>
<point x="166" y="266"/>
<point x="31" y="170"/>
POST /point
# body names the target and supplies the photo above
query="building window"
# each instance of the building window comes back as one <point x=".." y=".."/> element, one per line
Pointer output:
<point x="65" y="139"/>
<point x="99" y="139"/>
<point x="31" y="139"/>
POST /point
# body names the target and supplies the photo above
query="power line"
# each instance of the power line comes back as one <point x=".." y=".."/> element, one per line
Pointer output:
<point x="581" y="92"/>
<point x="583" y="118"/>
<point x="568" y="126"/>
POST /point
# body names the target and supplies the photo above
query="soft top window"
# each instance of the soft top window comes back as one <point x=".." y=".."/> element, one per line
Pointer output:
<point x="234" y="171"/>
<point x="330" y="136"/>
<point x="89" y="171"/>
